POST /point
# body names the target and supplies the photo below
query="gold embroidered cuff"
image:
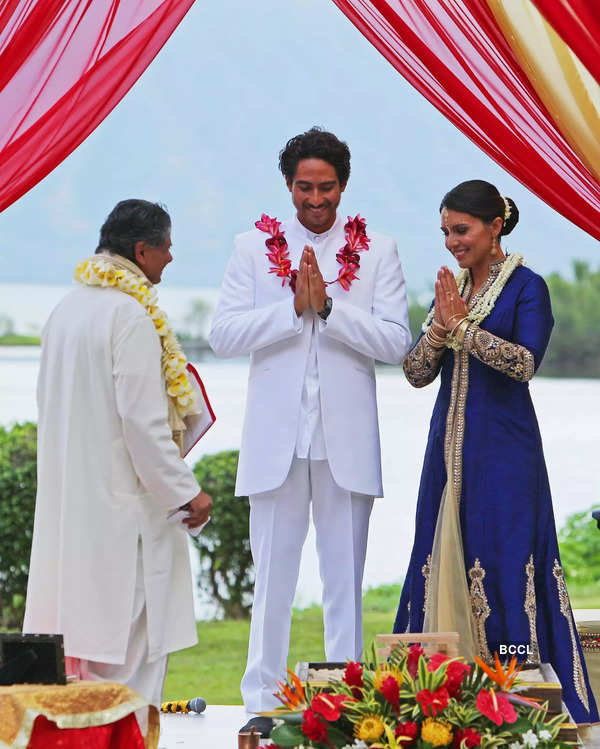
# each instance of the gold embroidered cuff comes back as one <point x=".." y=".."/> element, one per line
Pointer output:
<point x="422" y="363"/>
<point x="511" y="359"/>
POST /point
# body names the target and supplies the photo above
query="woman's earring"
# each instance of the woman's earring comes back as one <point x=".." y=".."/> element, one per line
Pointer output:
<point x="494" y="250"/>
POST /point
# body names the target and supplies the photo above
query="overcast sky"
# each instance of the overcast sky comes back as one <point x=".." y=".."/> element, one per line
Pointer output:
<point x="202" y="129"/>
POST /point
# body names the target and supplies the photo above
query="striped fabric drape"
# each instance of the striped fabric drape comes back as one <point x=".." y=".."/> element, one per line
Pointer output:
<point x="503" y="73"/>
<point x="64" y="65"/>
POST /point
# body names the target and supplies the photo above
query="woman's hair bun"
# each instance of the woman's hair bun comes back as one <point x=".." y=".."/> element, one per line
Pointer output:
<point x="512" y="220"/>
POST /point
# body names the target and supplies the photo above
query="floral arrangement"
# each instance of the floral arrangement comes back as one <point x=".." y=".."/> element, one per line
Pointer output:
<point x="414" y="701"/>
<point x="485" y="304"/>
<point x="102" y="272"/>
<point x="356" y="241"/>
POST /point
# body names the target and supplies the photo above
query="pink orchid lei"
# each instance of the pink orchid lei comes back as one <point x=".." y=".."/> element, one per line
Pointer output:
<point x="356" y="241"/>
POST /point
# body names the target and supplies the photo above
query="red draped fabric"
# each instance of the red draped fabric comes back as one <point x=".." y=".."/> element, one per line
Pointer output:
<point x="577" y="22"/>
<point x="453" y="52"/>
<point x="122" y="734"/>
<point x="64" y="65"/>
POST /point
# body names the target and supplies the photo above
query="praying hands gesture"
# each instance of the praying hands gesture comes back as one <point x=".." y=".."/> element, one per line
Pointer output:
<point x="311" y="290"/>
<point x="450" y="307"/>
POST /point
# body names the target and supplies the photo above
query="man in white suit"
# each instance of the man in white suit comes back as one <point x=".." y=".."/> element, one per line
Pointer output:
<point x="314" y="302"/>
<point x="107" y="569"/>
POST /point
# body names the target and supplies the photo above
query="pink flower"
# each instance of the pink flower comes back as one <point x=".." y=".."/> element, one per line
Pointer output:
<point x="433" y="702"/>
<point x="268" y="224"/>
<point x="496" y="707"/>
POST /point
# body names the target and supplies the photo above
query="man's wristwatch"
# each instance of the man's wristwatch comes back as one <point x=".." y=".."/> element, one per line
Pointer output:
<point x="324" y="313"/>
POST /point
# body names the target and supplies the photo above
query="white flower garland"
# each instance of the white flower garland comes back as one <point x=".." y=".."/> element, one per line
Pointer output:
<point x="485" y="304"/>
<point x="102" y="272"/>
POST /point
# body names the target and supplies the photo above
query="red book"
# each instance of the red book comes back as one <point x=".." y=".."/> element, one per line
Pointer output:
<point x="197" y="424"/>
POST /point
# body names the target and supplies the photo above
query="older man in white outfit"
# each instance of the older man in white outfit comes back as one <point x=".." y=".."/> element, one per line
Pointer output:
<point x="314" y="301"/>
<point x="107" y="569"/>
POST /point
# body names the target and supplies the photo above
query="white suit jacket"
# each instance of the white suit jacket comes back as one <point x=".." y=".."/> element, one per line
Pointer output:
<point x="255" y="315"/>
<point x="108" y="472"/>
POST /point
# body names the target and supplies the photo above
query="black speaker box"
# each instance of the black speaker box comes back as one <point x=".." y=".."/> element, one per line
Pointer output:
<point x="31" y="659"/>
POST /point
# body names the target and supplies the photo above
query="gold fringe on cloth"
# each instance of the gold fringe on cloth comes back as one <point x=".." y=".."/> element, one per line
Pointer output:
<point x="80" y="705"/>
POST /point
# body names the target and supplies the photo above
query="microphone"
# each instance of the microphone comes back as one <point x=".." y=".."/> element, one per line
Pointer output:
<point x="197" y="705"/>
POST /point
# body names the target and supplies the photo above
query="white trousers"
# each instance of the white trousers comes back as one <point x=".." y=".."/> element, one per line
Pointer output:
<point x="147" y="679"/>
<point x="278" y="527"/>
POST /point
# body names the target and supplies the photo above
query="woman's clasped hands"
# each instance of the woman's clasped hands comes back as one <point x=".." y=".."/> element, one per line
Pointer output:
<point x="450" y="309"/>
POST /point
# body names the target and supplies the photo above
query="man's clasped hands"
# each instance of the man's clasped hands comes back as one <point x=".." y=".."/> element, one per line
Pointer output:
<point x="311" y="290"/>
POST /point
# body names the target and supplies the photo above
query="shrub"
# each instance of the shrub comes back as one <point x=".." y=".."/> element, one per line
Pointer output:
<point x="224" y="544"/>
<point x="18" y="484"/>
<point x="579" y="541"/>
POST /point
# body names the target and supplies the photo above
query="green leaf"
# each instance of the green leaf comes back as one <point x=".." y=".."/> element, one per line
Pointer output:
<point x="287" y="735"/>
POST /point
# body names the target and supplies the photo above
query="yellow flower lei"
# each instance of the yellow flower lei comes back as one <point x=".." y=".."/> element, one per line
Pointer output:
<point x="102" y="272"/>
<point x="484" y="305"/>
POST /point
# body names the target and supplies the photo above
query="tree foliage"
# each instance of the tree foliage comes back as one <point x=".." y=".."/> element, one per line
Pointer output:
<point x="18" y="485"/>
<point x="574" y="349"/>
<point x="579" y="541"/>
<point x="224" y="544"/>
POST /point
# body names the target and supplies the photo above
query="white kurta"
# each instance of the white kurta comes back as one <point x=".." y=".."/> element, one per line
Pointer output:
<point x="108" y="472"/>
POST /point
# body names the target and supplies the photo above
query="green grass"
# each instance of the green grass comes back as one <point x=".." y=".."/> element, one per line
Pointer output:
<point x="11" y="339"/>
<point x="213" y="669"/>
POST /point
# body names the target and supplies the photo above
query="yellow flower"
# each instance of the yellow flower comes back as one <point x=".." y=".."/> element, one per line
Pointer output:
<point x="436" y="732"/>
<point x="111" y="277"/>
<point x="383" y="672"/>
<point x="370" y="728"/>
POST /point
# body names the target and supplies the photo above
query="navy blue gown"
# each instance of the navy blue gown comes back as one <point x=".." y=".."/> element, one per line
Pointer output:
<point x="484" y="414"/>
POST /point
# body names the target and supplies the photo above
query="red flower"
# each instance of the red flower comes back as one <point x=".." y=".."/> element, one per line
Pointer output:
<point x="455" y="672"/>
<point x="391" y="691"/>
<point x="407" y="732"/>
<point x="353" y="675"/>
<point x="312" y="726"/>
<point x="346" y="276"/>
<point x="293" y="277"/>
<point x="496" y="707"/>
<point x="433" y="702"/>
<point x="329" y="705"/>
<point x="356" y="232"/>
<point x="412" y="663"/>
<point x="353" y="678"/>
<point x="469" y="736"/>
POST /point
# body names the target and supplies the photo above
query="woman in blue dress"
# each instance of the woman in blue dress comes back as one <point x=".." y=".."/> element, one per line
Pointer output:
<point x="485" y="560"/>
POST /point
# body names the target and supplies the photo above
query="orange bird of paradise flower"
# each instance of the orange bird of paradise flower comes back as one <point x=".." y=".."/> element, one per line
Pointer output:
<point x="504" y="679"/>
<point x="291" y="695"/>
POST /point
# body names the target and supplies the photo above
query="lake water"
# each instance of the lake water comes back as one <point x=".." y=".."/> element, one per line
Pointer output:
<point x="567" y="411"/>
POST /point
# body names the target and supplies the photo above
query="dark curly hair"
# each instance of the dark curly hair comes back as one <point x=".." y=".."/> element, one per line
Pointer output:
<point x="132" y="221"/>
<point x="482" y="200"/>
<point x="316" y="143"/>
